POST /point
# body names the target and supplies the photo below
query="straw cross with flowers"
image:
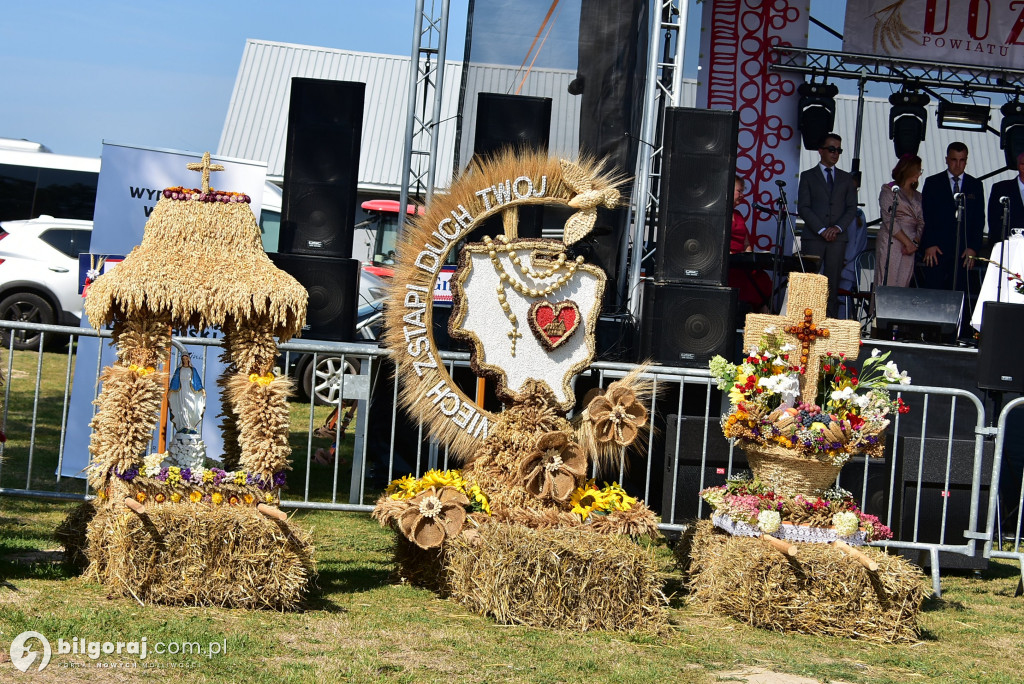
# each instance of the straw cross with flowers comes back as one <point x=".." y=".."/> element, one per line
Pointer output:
<point x="805" y="325"/>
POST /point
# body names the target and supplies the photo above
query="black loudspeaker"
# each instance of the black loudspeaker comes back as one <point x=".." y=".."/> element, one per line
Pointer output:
<point x="1000" y="366"/>
<point x="914" y="314"/>
<point x="515" y="121"/>
<point x="687" y="475"/>
<point x="695" y="215"/>
<point x="936" y="496"/>
<point x="333" y="287"/>
<point x="687" y="325"/>
<point x="321" y="167"/>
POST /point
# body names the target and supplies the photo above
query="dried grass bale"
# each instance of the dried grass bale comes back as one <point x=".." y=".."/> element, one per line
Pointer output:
<point x="820" y="592"/>
<point x="572" y="579"/>
<point x="199" y="555"/>
<point x="71" y="534"/>
<point x="421" y="567"/>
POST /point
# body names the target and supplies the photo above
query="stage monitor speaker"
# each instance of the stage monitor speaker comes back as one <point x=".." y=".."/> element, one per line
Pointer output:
<point x="914" y="314"/>
<point x="321" y="167"/>
<point x="515" y="121"/>
<point x="697" y="178"/>
<point x="1000" y="366"/>
<point x="687" y="325"/>
<point x="687" y="475"/>
<point x="333" y="287"/>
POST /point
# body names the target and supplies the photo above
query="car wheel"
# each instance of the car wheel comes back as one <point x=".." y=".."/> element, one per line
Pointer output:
<point x="322" y="380"/>
<point x="25" y="307"/>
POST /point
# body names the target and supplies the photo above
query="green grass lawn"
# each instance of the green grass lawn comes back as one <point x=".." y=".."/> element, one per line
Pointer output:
<point x="360" y="625"/>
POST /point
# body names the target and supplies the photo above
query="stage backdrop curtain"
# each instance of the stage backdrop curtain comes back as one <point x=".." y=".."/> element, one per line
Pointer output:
<point x="735" y="48"/>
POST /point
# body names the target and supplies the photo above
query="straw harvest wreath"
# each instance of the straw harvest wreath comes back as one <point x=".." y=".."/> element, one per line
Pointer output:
<point x="800" y="410"/>
<point x="528" y="311"/>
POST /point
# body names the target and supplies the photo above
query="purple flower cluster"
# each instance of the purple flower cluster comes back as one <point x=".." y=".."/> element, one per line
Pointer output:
<point x="127" y="475"/>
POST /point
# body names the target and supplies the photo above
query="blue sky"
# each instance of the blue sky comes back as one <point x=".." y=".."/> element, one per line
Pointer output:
<point x="161" y="74"/>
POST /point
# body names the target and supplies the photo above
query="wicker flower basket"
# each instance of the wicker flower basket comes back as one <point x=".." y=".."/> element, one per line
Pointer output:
<point x="787" y="471"/>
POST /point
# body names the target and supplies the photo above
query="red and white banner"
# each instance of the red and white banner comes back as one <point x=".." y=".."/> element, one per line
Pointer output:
<point x="969" y="32"/>
<point x="736" y="41"/>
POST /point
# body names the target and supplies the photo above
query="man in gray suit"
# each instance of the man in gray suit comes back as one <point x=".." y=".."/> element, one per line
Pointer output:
<point x="827" y="203"/>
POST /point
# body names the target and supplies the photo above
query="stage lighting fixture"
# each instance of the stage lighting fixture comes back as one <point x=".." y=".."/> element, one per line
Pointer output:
<point x="907" y="121"/>
<point x="1011" y="132"/>
<point x="962" y="116"/>
<point x="817" y="112"/>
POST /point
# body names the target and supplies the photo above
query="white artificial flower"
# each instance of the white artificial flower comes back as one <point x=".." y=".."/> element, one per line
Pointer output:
<point x="787" y="347"/>
<point x="779" y="361"/>
<point x="769" y="521"/>
<point x="875" y="352"/>
<point x="151" y="464"/>
<point x="861" y="400"/>
<point x="770" y="330"/>
<point x="789" y="390"/>
<point x="844" y="394"/>
<point x="846" y="523"/>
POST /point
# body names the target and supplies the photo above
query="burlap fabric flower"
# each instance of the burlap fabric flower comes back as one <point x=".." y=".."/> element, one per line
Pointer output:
<point x="617" y="416"/>
<point x="554" y="468"/>
<point x="432" y="516"/>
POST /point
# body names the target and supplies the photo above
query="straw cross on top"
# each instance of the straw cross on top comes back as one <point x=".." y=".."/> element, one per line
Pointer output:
<point x="806" y="326"/>
<point x="206" y="167"/>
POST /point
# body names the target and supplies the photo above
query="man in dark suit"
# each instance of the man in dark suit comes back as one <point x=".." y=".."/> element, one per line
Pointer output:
<point x="1014" y="205"/>
<point x="827" y="203"/>
<point x="939" y="240"/>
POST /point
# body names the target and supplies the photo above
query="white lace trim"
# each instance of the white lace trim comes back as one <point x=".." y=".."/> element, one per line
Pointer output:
<point x="787" y="532"/>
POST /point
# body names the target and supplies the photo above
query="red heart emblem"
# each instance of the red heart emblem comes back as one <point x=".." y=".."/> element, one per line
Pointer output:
<point x="553" y="324"/>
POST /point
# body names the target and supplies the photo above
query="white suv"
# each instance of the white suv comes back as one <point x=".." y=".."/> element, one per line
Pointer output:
<point x="39" y="274"/>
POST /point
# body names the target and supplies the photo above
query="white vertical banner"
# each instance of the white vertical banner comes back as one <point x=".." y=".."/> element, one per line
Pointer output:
<point x="131" y="181"/>
<point x="736" y="41"/>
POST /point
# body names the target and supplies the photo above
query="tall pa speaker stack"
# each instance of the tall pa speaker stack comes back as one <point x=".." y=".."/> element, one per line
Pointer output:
<point x="511" y="122"/>
<point x="325" y="124"/>
<point x="689" y="313"/>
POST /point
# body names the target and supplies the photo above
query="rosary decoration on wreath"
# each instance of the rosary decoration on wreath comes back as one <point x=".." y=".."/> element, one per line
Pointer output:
<point x="552" y="324"/>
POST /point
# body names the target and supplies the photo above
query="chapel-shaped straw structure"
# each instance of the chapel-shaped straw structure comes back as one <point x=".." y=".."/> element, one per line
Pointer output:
<point x="200" y="264"/>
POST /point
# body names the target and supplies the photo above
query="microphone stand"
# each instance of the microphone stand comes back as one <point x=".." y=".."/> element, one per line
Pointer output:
<point x="892" y="224"/>
<point x="959" y="229"/>
<point x="783" y="217"/>
<point x="1005" y="201"/>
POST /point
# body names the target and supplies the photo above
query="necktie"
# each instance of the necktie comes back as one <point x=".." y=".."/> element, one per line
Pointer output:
<point x="828" y="179"/>
<point x="956" y="184"/>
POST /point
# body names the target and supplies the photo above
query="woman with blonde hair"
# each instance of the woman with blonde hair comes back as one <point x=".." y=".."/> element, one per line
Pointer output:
<point x="898" y="238"/>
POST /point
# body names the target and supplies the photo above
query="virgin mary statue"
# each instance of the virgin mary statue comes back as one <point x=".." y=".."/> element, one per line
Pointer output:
<point x="187" y="401"/>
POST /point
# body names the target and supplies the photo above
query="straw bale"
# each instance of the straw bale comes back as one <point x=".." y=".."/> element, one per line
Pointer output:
<point x="200" y="263"/>
<point x="561" y="578"/>
<point x="71" y="534"/>
<point x="200" y="555"/>
<point x="420" y="567"/>
<point x="821" y="591"/>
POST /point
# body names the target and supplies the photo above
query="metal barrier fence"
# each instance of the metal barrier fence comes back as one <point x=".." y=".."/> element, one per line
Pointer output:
<point x="918" y="490"/>
<point x="1003" y="543"/>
